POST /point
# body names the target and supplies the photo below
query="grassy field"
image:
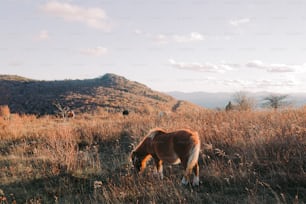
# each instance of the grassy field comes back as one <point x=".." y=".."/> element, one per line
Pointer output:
<point x="246" y="157"/>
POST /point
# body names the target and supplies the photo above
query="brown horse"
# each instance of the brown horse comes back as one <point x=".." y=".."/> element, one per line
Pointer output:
<point x="70" y="114"/>
<point x="181" y="146"/>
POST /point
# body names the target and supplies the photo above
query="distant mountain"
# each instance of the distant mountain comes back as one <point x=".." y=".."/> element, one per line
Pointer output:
<point x="219" y="100"/>
<point x="110" y="92"/>
<point x="204" y="99"/>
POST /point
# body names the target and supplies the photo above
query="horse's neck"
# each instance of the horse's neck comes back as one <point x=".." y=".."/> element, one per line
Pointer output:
<point x="146" y="147"/>
<point x="149" y="147"/>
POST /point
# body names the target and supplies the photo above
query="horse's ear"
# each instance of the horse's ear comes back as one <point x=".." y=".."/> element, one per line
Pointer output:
<point x="132" y="156"/>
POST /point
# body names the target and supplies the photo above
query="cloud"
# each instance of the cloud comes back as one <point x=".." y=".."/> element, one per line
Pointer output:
<point x="138" y="32"/>
<point x="255" y="64"/>
<point x="171" y="38"/>
<point x="263" y="84"/>
<point x="162" y="39"/>
<point x="200" y="67"/>
<point x="274" y="83"/>
<point x="43" y="35"/>
<point x="97" y="52"/>
<point x="223" y="67"/>
<point x="274" y="68"/>
<point x="15" y="63"/>
<point x="191" y="37"/>
<point x="239" y="22"/>
<point x="92" y="17"/>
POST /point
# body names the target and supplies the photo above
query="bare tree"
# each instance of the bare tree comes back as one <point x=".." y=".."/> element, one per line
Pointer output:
<point x="63" y="112"/>
<point x="243" y="101"/>
<point x="276" y="101"/>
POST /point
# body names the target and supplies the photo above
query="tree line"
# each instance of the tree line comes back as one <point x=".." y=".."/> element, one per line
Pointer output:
<point x="243" y="102"/>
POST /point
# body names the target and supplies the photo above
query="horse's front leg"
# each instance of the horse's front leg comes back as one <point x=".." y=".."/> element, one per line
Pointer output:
<point x="159" y="166"/>
<point x="160" y="169"/>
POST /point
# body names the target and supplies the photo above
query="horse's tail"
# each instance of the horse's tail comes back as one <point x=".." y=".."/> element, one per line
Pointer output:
<point x="194" y="153"/>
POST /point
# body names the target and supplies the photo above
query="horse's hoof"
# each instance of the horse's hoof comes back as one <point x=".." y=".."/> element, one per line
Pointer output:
<point x="196" y="181"/>
<point x="184" y="181"/>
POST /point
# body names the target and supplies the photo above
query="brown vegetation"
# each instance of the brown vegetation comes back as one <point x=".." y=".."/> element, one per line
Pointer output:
<point x="5" y="112"/>
<point x="246" y="157"/>
<point x="110" y="92"/>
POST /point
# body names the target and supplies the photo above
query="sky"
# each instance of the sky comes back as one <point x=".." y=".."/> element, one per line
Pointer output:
<point x="168" y="45"/>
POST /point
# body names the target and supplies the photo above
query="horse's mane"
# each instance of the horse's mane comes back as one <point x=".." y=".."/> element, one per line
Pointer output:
<point x="151" y="135"/>
<point x="154" y="132"/>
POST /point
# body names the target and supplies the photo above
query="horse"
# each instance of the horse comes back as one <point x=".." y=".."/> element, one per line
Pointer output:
<point x="125" y="112"/>
<point x="70" y="114"/>
<point x="180" y="146"/>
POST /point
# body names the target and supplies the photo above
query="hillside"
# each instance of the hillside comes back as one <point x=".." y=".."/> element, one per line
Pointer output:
<point x="110" y="92"/>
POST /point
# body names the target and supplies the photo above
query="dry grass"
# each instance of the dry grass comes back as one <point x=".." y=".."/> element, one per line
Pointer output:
<point x="5" y="111"/>
<point x="246" y="157"/>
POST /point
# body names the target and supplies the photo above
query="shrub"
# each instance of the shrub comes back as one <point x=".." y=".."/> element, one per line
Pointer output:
<point x="5" y="112"/>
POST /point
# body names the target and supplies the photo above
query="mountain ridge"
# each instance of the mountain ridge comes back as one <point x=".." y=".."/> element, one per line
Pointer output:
<point x="110" y="92"/>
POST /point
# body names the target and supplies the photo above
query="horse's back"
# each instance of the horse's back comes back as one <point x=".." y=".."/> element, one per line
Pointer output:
<point x="173" y="146"/>
<point x="184" y="142"/>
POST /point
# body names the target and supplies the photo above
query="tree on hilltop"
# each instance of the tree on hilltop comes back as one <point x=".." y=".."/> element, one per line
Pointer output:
<point x="276" y="101"/>
<point x="243" y="102"/>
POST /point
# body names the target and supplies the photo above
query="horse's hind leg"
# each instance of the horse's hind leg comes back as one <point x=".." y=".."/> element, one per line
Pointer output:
<point x="191" y="165"/>
<point x="196" y="179"/>
<point x="185" y="179"/>
<point x="187" y="174"/>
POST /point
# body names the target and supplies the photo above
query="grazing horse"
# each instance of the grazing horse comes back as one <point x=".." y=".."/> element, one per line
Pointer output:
<point x="181" y="146"/>
<point x="125" y="112"/>
<point x="70" y="114"/>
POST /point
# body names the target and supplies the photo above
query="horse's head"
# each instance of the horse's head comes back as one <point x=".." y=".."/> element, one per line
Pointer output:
<point x="136" y="160"/>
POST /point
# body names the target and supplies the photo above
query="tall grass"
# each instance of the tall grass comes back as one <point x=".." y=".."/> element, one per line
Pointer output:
<point x="246" y="157"/>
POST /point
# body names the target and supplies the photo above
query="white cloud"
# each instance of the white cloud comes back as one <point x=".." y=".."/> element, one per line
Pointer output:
<point x="238" y="22"/>
<point x="274" y="68"/>
<point x="92" y="17"/>
<point x="200" y="67"/>
<point x="274" y="83"/>
<point x="15" y="63"/>
<point x="282" y="68"/>
<point x="255" y="64"/>
<point x="97" y="52"/>
<point x="258" y="85"/>
<point x="191" y="37"/>
<point x="138" y="32"/>
<point x="171" y="38"/>
<point x="43" y="35"/>
<point x="162" y="39"/>
<point x="223" y="67"/>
